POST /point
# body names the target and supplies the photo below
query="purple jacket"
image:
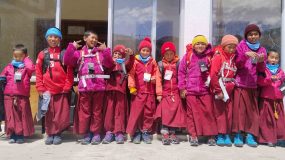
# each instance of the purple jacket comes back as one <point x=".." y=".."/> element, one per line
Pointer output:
<point x="73" y="57"/>
<point x="190" y="76"/>
<point x="19" y="88"/>
<point x="246" y="75"/>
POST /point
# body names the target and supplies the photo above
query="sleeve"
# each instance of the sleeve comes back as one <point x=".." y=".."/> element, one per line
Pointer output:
<point x="264" y="81"/>
<point x="131" y="78"/>
<point x="69" y="79"/>
<point x="4" y="71"/>
<point x="108" y="61"/>
<point x="39" y="73"/>
<point x="262" y="65"/>
<point x="281" y="76"/>
<point x="158" y="82"/>
<point x="214" y="74"/>
<point x="241" y="57"/>
<point x="71" y="56"/>
<point x="130" y="62"/>
<point x="29" y="66"/>
<point x="182" y="72"/>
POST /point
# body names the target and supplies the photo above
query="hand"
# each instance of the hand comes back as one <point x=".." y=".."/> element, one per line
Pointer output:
<point x="102" y="46"/>
<point x="220" y="96"/>
<point x="129" y="51"/>
<point x="41" y="94"/>
<point x="153" y="80"/>
<point x="183" y="93"/>
<point x="251" y="54"/>
<point x="260" y="58"/>
<point x="76" y="44"/>
<point x="134" y="93"/>
<point x="274" y="77"/>
<point x="159" y="98"/>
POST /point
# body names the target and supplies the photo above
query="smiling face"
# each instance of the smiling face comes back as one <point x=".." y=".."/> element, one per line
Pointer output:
<point x="53" y="41"/>
<point x="145" y="52"/>
<point x="200" y="47"/>
<point x="253" y="37"/>
<point x="19" y="55"/>
<point x="273" y="58"/>
<point x="91" y="40"/>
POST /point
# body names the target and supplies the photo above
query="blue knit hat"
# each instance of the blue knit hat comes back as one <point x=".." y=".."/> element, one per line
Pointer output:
<point x="53" y="31"/>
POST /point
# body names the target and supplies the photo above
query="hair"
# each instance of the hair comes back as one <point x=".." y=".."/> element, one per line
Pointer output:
<point x="88" y="33"/>
<point x="20" y="47"/>
<point x="271" y="51"/>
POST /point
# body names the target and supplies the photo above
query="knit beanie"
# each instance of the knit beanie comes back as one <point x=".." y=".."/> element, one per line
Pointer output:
<point x="121" y="49"/>
<point x="167" y="46"/>
<point x="199" y="38"/>
<point x="145" y="43"/>
<point x="229" y="39"/>
<point x="251" y="27"/>
<point x="53" y="31"/>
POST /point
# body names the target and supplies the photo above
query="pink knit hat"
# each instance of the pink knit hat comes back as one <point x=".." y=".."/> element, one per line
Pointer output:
<point x="229" y="39"/>
<point x="121" y="49"/>
<point x="145" y="43"/>
<point x="167" y="46"/>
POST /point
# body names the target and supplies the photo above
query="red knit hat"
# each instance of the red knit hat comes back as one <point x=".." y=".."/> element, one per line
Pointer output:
<point x="251" y="27"/>
<point x="167" y="46"/>
<point x="229" y="39"/>
<point x="121" y="49"/>
<point x="145" y="43"/>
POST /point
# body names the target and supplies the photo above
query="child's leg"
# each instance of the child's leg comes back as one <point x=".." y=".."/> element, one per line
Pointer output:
<point x="109" y="116"/>
<point x="190" y="121"/>
<point x="165" y="139"/>
<point x="280" y="122"/>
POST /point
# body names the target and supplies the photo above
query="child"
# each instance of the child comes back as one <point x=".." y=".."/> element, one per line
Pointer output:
<point x="144" y="83"/>
<point x="90" y="62"/>
<point x="222" y="74"/>
<point x="55" y="80"/>
<point x="18" y="114"/>
<point x="250" y="60"/>
<point x="272" y="119"/>
<point x="116" y="98"/>
<point x="170" y="109"/>
<point x="192" y="81"/>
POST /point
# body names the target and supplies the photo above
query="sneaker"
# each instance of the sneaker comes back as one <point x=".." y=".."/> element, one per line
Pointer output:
<point x="120" y="138"/>
<point x="220" y="140"/>
<point x="137" y="138"/>
<point x="20" y="139"/>
<point x="250" y="141"/>
<point x="238" y="140"/>
<point x="193" y="140"/>
<point x="228" y="141"/>
<point x="12" y="139"/>
<point x="96" y="139"/>
<point x="211" y="141"/>
<point x="269" y="144"/>
<point x="174" y="139"/>
<point x="49" y="140"/>
<point x="165" y="139"/>
<point x="57" y="139"/>
<point x="146" y="137"/>
<point x="87" y="139"/>
<point x="109" y="137"/>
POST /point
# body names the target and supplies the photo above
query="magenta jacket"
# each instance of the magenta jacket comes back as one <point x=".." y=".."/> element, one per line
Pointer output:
<point x="190" y="76"/>
<point x="73" y="57"/>
<point x="18" y="88"/>
<point x="269" y="88"/>
<point x="246" y="75"/>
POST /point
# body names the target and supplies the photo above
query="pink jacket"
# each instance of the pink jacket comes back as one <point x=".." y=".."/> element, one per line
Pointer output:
<point x="19" y="88"/>
<point x="269" y="88"/>
<point x="190" y="76"/>
<point x="246" y="71"/>
<point x="73" y="57"/>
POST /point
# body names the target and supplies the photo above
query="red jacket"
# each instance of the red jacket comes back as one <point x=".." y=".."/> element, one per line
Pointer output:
<point x="223" y="66"/>
<point x="61" y="81"/>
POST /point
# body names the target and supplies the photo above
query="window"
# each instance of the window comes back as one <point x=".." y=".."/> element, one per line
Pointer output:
<point x="232" y="16"/>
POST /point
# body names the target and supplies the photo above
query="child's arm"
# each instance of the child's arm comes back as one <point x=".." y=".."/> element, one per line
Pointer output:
<point x="214" y="74"/>
<point x="264" y="79"/>
<point x="182" y="72"/>
<point x="39" y="74"/>
<point x="29" y="66"/>
<point x="158" y="82"/>
<point x="108" y="61"/>
<point x="241" y="57"/>
<point x="131" y="60"/>
<point x="71" y="55"/>
<point x="69" y="79"/>
<point x="131" y="81"/>
<point x="261" y="65"/>
<point x="4" y="71"/>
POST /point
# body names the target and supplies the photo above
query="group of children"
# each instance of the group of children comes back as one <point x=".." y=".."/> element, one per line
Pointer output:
<point x="229" y="90"/>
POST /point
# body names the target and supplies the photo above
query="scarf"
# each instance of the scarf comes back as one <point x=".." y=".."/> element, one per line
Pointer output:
<point x="273" y="68"/>
<point x="18" y="64"/>
<point x="253" y="46"/>
<point x="144" y="60"/>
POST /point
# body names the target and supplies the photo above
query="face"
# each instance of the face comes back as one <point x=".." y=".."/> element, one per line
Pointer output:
<point x="117" y="55"/>
<point x="91" y="40"/>
<point x="273" y="58"/>
<point x="169" y="55"/>
<point x="145" y="52"/>
<point x="230" y="48"/>
<point x="200" y="47"/>
<point x="18" y="55"/>
<point x="253" y="37"/>
<point x="53" y="41"/>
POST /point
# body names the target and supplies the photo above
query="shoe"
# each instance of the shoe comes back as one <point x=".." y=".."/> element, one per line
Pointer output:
<point x="269" y="144"/>
<point x="96" y="139"/>
<point x="211" y="141"/>
<point x="109" y="137"/>
<point x="193" y="140"/>
<point x="220" y="140"/>
<point x="120" y="138"/>
<point x="146" y="137"/>
<point x="228" y="141"/>
<point x="174" y="139"/>
<point x="57" y="139"/>
<point x="12" y="139"/>
<point x="250" y="141"/>
<point x="165" y="139"/>
<point x="49" y="140"/>
<point x="238" y="140"/>
<point x="20" y="139"/>
<point x="87" y="139"/>
<point x="137" y="138"/>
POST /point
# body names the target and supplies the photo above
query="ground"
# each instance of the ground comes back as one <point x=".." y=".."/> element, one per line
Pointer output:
<point x="35" y="149"/>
